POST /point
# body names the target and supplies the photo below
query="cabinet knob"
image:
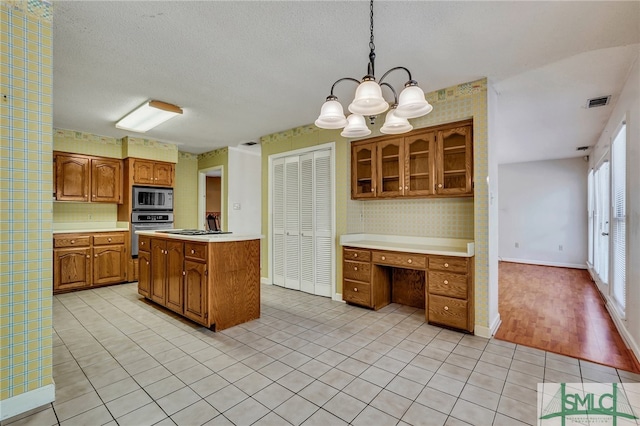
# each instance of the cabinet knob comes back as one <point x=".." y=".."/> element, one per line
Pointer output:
<point x="193" y="251"/>
<point x="355" y="255"/>
<point x="446" y="308"/>
<point x="400" y="189"/>
<point x="446" y="265"/>
<point x="95" y="255"/>
<point x="406" y="188"/>
<point x="142" y="243"/>
<point x="355" y="289"/>
<point x="147" y="262"/>
<point x="88" y="256"/>
<point x="372" y="189"/>
<point x="94" y="195"/>
<point x="446" y="281"/>
<point x="355" y="268"/>
<point x="383" y="258"/>
<point x="409" y="261"/>
<point x="73" y="241"/>
<point x="184" y="273"/>
<point x="109" y="239"/>
<point x="439" y="185"/>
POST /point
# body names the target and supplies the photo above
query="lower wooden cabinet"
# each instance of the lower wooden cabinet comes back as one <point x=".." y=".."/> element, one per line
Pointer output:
<point x="83" y="261"/>
<point x="450" y="297"/>
<point x="144" y="273"/>
<point x="195" y="290"/>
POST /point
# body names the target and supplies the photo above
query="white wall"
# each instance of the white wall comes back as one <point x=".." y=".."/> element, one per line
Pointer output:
<point x="543" y="205"/>
<point x="627" y="107"/>
<point x="245" y="192"/>
<point x="495" y="141"/>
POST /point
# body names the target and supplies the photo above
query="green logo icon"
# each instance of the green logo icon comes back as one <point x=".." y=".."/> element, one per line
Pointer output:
<point x="592" y="407"/>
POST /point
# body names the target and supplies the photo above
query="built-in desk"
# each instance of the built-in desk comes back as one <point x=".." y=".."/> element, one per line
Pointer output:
<point x="435" y="274"/>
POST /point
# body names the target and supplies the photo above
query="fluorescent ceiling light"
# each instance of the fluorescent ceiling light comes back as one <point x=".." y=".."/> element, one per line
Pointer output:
<point x="147" y="116"/>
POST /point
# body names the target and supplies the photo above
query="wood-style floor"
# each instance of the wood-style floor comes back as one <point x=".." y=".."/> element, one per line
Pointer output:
<point x="559" y="310"/>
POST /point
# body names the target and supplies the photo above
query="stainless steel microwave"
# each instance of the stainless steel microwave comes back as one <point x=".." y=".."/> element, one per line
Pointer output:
<point x="150" y="198"/>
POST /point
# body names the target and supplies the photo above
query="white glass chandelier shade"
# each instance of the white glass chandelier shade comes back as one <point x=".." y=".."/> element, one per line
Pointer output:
<point x="368" y="99"/>
<point x="147" y="116"/>
<point x="331" y="115"/>
<point x="394" y="125"/>
<point x="356" y="127"/>
<point x="412" y="103"/>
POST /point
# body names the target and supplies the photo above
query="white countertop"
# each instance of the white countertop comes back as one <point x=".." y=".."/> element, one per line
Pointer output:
<point x="424" y="245"/>
<point x="88" y="227"/>
<point x="208" y="238"/>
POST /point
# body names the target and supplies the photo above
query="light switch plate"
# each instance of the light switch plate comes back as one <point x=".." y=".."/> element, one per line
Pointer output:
<point x="236" y="206"/>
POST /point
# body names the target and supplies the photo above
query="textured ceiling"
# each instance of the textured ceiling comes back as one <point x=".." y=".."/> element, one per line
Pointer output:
<point x="244" y="69"/>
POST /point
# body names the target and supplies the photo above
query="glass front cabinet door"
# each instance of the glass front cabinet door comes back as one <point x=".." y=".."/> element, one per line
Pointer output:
<point x="390" y="172"/>
<point x="363" y="170"/>
<point x="419" y="153"/>
<point x="454" y="161"/>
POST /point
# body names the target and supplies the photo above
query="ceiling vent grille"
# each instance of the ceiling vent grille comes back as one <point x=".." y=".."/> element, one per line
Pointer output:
<point x="582" y="148"/>
<point x="250" y="143"/>
<point x="598" y="102"/>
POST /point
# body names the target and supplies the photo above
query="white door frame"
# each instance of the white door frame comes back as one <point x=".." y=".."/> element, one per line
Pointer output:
<point x="202" y="195"/>
<point x="332" y="147"/>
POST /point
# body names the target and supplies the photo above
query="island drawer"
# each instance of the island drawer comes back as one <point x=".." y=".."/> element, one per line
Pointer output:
<point x="448" y="311"/>
<point x="144" y="243"/>
<point x="358" y="293"/>
<point x="195" y="250"/>
<point x="360" y="255"/>
<point x="403" y="260"/>
<point x="360" y="271"/>
<point x="447" y="284"/>
<point x="71" y="241"/>
<point x="451" y="264"/>
<point x="104" y="239"/>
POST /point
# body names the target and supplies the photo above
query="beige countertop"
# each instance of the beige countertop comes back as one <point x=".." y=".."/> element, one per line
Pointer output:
<point x="423" y="245"/>
<point x="208" y="238"/>
<point x="88" y="227"/>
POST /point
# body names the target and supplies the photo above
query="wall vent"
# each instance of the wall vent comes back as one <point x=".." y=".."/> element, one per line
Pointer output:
<point x="582" y="148"/>
<point x="598" y="102"/>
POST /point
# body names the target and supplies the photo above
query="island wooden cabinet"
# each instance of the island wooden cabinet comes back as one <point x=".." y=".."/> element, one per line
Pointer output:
<point x="149" y="172"/>
<point x="214" y="284"/>
<point x="82" y="261"/>
<point x="430" y="162"/>
<point x="87" y="179"/>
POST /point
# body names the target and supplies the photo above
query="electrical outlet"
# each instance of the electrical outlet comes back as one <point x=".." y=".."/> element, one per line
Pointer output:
<point x="560" y="248"/>
<point x="236" y="206"/>
<point x="90" y="216"/>
<point x="517" y="245"/>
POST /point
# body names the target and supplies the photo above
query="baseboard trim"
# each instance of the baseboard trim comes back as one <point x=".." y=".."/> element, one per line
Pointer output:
<point x="488" y="332"/>
<point x="265" y="280"/>
<point x="546" y="263"/>
<point x="338" y="297"/>
<point x="27" y="401"/>
<point x="622" y="329"/>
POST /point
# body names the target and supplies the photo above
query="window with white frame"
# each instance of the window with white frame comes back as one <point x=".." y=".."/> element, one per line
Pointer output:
<point x="618" y="218"/>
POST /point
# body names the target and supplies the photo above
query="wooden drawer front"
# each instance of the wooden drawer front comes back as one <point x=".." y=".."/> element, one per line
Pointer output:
<point x="447" y="284"/>
<point x="359" y="271"/>
<point x="357" y="293"/>
<point x="453" y="264"/>
<point x="448" y="311"/>
<point x="195" y="250"/>
<point x="144" y="243"/>
<point x="71" y="241"/>
<point x="403" y="260"/>
<point x="105" y="239"/>
<point x="361" y="255"/>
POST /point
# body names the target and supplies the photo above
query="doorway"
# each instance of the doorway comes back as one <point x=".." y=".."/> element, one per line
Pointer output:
<point x="211" y="198"/>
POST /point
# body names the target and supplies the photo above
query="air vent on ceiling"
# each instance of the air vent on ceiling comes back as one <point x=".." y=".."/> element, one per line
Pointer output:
<point x="582" y="148"/>
<point x="598" y="102"/>
<point x="250" y="143"/>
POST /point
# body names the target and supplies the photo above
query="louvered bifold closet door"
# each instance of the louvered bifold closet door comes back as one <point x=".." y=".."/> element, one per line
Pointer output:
<point x="292" y="222"/>
<point x="278" y="221"/>
<point x="307" y="207"/>
<point x="324" y="251"/>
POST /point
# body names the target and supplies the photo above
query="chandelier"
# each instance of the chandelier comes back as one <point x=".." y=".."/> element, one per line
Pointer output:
<point x="369" y="102"/>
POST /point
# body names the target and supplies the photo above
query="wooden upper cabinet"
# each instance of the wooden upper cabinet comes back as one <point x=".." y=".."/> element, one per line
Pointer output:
<point x="72" y="177"/>
<point x="86" y="178"/>
<point x="390" y="168"/>
<point x="149" y="172"/>
<point x="419" y="153"/>
<point x="429" y="162"/>
<point x="454" y="161"/>
<point x="363" y="170"/>
<point x="106" y="180"/>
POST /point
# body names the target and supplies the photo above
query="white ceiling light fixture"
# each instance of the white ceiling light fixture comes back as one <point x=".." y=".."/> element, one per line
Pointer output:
<point x="369" y="101"/>
<point x="148" y="115"/>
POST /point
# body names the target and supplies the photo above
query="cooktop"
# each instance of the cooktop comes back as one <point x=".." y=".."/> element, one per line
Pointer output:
<point x="194" y="232"/>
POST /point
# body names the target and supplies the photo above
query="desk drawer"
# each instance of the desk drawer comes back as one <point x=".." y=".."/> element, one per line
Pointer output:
<point x="448" y="284"/>
<point x="106" y="239"/>
<point x="71" y="241"/>
<point x="452" y="264"/>
<point x="360" y="271"/>
<point x="448" y="311"/>
<point x="360" y="255"/>
<point x="195" y="250"/>
<point x="358" y="293"/>
<point x="402" y="260"/>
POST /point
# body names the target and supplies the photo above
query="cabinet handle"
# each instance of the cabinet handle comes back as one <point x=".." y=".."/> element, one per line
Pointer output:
<point x="406" y="188"/>
<point x="355" y="289"/>
<point x="355" y="255"/>
<point x="383" y="258"/>
<point x="355" y="268"/>
<point x="439" y="185"/>
<point x="446" y="281"/>
<point x="95" y="255"/>
<point x="88" y="257"/>
<point x="193" y="251"/>
<point x="73" y="241"/>
<point x="184" y="273"/>
<point x="373" y="189"/>
<point x="409" y="261"/>
<point x="142" y="243"/>
<point x="109" y="239"/>
<point x="400" y="189"/>
<point x="147" y="262"/>
<point x="446" y="265"/>
<point x="446" y="308"/>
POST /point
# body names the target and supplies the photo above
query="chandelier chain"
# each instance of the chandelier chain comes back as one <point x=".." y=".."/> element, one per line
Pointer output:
<point x="372" y="46"/>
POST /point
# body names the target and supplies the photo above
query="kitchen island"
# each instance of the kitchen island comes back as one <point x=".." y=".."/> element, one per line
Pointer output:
<point x="212" y="279"/>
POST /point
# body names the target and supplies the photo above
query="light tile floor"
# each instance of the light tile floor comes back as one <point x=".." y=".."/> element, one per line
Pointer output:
<point x="120" y="360"/>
